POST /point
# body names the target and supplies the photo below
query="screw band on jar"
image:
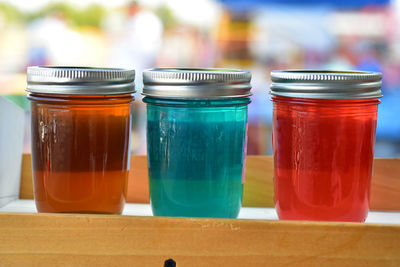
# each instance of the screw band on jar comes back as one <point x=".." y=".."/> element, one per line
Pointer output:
<point x="319" y="84"/>
<point x="181" y="83"/>
<point x="80" y="80"/>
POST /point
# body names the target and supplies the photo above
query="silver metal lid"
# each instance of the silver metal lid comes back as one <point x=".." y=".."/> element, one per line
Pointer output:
<point x="80" y="80"/>
<point x="323" y="84"/>
<point x="178" y="83"/>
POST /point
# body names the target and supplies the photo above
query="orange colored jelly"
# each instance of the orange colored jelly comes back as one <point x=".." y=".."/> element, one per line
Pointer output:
<point x="323" y="153"/>
<point x="80" y="148"/>
<point x="80" y="137"/>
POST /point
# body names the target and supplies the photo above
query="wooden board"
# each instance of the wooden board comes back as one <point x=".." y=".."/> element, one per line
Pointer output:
<point x="26" y="185"/>
<point x="385" y="188"/>
<point x="258" y="189"/>
<point x="259" y="186"/>
<point x="103" y="240"/>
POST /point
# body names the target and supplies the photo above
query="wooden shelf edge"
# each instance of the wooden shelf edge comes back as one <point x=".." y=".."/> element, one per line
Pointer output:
<point x="53" y="239"/>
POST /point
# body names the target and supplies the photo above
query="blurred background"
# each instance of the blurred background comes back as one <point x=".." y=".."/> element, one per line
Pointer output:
<point x="258" y="35"/>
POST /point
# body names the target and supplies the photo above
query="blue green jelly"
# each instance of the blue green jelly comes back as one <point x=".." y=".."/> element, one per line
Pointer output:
<point x="196" y="152"/>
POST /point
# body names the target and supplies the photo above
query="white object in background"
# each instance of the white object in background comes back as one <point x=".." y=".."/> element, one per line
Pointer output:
<point x="11" y="143"/>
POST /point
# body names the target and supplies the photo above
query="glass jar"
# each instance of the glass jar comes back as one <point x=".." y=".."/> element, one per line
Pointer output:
<point x="80" y="129"/>
<point x="196" y="140"/>
<point x="324" y="125"/>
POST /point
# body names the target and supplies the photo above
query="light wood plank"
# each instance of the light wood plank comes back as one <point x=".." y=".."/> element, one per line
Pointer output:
<point x="56" y="240"/>
<point x="26" y="185"/>
<point x="258" y="189"/>
<point x="385" y="185"/>
<point x="259" y="186"/>
<point x="138" y="182"/>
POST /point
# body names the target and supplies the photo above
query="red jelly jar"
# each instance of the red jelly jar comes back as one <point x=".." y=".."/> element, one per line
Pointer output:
<point x="324" y="125"/>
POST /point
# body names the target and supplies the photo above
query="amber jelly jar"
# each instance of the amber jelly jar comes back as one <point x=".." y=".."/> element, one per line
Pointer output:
<point x="324" y="125"/>
<point x="80" y="129"/>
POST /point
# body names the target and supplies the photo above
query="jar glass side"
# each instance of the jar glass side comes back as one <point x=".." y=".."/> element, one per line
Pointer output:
<point x="80" y="152"/>
<point x="196" y="154"/>
<point x="323" y="153"/>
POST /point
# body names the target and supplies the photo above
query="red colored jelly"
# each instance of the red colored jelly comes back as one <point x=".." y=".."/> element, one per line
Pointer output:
<point x="323" y="153"/>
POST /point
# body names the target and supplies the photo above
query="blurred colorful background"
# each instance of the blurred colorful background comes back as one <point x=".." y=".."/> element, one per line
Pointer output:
<point x="258" y="35"/>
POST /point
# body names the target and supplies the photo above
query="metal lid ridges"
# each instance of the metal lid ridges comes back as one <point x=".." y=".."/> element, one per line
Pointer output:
<point x="325" y="84"/>
<point x="80" y="80"/>
<point x="180" y="83"/>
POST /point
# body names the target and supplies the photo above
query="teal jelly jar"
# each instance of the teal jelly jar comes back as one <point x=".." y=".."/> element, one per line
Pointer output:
<point x="196" y="140"/>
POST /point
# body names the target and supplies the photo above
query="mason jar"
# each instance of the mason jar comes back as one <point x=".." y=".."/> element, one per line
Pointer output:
<point x="80" y="129"/>
<point x="196" y="140"/>
<point x="324" y="125"/>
